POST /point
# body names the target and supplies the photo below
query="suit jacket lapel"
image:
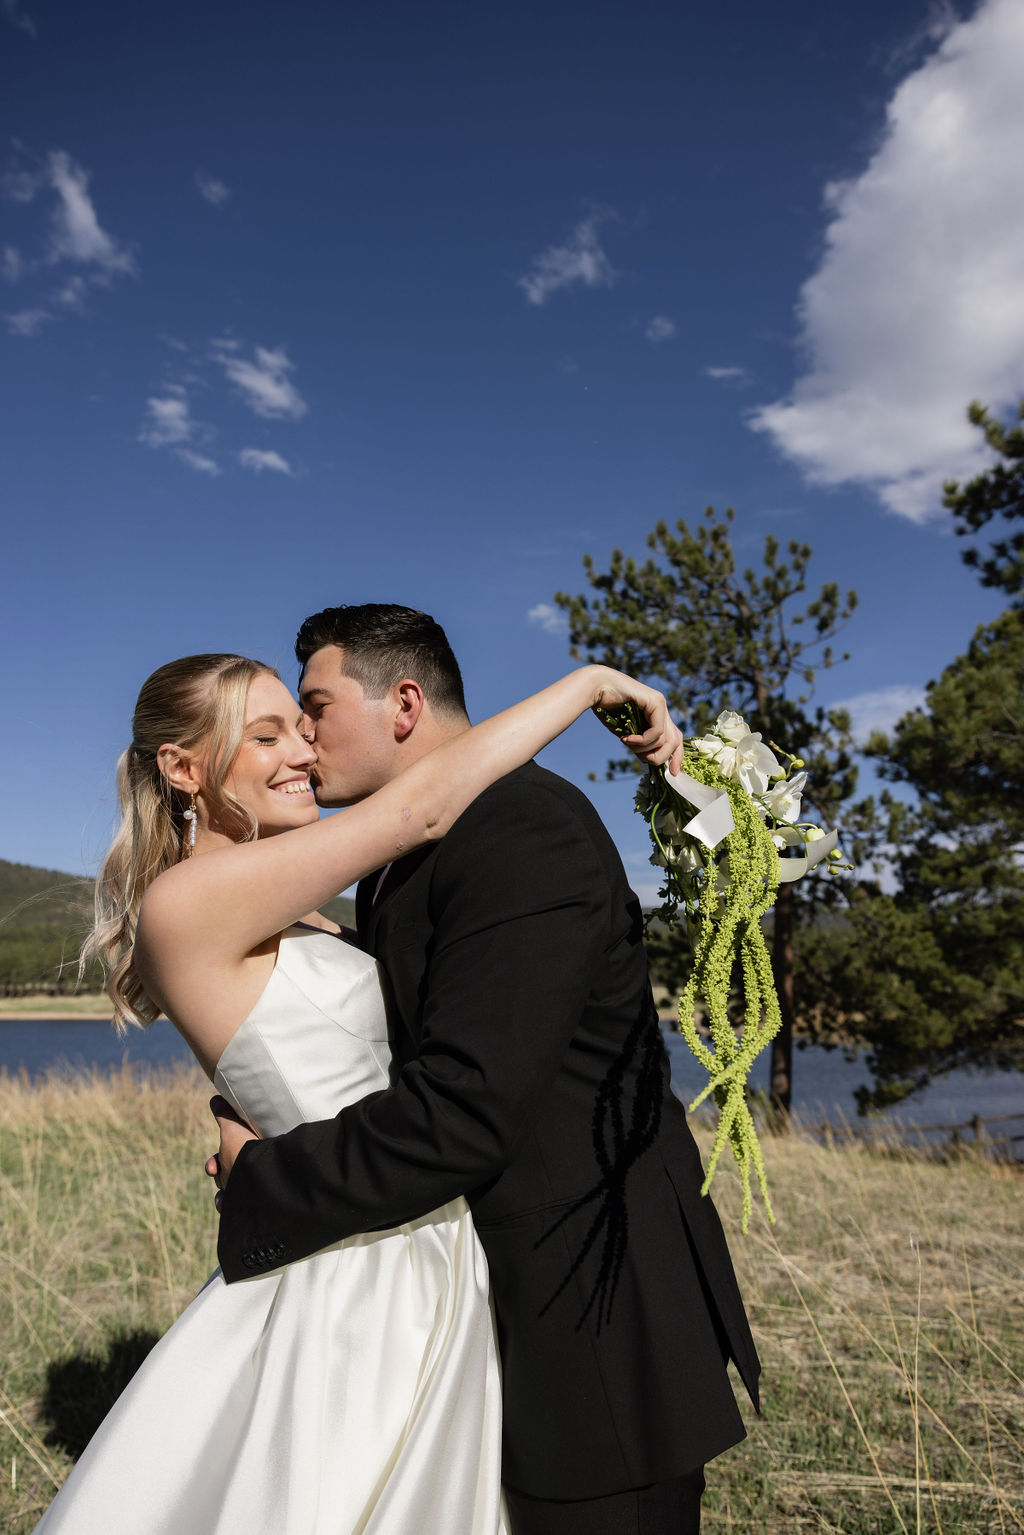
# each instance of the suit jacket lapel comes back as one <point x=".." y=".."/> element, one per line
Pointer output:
<point x="376" y="910"/>
<point x="364" y="906"/>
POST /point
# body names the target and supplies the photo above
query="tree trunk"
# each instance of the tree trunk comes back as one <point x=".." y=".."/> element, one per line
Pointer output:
<point x="781" y="1090"/>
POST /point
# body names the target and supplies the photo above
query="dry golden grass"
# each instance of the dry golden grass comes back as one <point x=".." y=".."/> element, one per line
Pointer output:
<point x="888" y="1306"/>
<point x="108" y="1230"/>
<point x="93" y="1005"/>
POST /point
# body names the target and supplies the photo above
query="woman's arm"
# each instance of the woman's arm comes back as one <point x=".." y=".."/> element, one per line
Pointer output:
<point x="219" y="907"/>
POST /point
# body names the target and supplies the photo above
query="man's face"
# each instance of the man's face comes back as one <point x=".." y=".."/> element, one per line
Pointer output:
<point x="353" y="735"/>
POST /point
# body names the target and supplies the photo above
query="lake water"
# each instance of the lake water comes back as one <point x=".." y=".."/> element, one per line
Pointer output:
<point x="823" y="1080"/>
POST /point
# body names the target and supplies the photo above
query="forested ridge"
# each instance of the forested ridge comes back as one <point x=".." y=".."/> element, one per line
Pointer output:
<point x="44" y="916"/>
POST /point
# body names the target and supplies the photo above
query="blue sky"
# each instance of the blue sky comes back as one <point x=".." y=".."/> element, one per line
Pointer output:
<point x="317" y="303"/>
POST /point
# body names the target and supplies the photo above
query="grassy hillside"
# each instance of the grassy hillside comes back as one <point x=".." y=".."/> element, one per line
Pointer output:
<point x="44" y="915"/>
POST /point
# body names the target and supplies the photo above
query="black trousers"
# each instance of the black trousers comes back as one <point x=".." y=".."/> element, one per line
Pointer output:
<point x="664" y="1508"/>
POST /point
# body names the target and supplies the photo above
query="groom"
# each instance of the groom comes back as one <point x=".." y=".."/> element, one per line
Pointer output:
<point x="530" y="1076"/>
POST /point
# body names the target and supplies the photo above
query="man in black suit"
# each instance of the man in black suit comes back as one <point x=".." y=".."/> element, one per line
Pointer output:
<point x="530" y="1076"/>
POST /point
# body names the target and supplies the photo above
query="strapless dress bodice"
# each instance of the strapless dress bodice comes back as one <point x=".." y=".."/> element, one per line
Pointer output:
<point x="316" y="1040"/>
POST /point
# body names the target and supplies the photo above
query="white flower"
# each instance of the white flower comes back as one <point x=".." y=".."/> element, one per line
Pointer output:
<point x="796" y="836"/>
<point x="731" y="726"/>
<point x="754" y="764"/>
<point x="783" y="801"/>
<point x="747" y="761"/>
<point x="681" y="850"/>
<point x="684" y="856"/>
<point x="712" y="746"/>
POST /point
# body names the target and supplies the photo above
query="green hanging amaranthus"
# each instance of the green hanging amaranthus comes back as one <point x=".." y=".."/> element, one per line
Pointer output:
<point x="725" y="925"/>
<point x="722" y="873"/>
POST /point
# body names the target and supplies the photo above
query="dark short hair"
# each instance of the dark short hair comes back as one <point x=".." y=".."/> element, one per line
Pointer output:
<point x="383" y="642"/>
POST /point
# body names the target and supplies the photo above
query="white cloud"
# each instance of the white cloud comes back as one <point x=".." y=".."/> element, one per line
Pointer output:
<point x="198" y="461"/>
<point x="547" y="618"/>
<point x="167" y="421"/>
<point x="72" y="295"/>
<point x="579" y="260"/>
<point x="661" y="328"/>
<point x="263" y="384"/>
<point x="213" y="189"/>
<point x="27" y="321"/>
<point x="76" y="234"/>
<point x="881" y="708"/>
<point x="18" y="19"/>
<point x="917" y="305"/>
<point x="21" y="186"/>
<point x="258" y="459"/>
<point x="727" y="375"/>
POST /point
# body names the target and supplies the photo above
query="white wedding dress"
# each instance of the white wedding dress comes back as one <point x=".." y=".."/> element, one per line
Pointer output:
<point x="355" y="1391"/>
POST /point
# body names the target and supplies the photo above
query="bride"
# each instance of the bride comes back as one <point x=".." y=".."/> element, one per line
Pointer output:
<point x="358" y="1389"/>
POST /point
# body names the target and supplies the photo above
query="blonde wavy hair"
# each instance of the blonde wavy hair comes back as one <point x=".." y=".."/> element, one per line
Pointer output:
<point x="199" y="704"/>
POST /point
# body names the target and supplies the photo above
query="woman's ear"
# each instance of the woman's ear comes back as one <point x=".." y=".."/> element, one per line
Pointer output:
<point x="179" y="768"/>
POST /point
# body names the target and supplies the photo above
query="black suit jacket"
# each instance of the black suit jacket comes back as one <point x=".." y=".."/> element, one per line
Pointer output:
<point x="531" y="1076"/>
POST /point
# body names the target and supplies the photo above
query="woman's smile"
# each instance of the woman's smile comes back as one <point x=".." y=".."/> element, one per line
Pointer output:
<point x="293" y="786"/>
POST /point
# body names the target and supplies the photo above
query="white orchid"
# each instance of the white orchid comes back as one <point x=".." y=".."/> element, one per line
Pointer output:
<point x="783" y="801"/>
<point x="739" y="753"/>
<point x="755" y="764"/>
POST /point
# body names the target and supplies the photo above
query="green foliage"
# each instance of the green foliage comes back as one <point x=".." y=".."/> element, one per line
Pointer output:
<point x="710" y="636"/>
<point x="932" y="977"/>
<point x="997" y="493"/>
<point x="341" y="910"/>
<point x="44" y="916"/>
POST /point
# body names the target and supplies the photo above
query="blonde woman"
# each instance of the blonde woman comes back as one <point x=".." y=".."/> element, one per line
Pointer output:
<point x="357" y="1389"/>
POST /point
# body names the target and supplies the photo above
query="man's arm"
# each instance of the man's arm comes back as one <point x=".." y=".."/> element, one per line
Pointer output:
<point x="521" y="897"/>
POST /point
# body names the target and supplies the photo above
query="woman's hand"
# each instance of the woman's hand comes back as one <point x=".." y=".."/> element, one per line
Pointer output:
<point x="662" y="741"/>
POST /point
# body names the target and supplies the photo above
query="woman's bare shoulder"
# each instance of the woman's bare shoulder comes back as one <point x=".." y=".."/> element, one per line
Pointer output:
<point x="168" y="912"/>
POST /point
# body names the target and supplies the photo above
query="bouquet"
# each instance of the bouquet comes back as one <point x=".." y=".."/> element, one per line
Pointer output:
<point x="726" y="830"/>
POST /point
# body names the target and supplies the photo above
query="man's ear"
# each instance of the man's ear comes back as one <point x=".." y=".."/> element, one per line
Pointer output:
<point x="408" y="705"/>
<point x="179" y="768"/>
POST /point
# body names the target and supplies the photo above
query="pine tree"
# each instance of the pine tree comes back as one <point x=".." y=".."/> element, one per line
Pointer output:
<point x="713" y="637"/>
<point x="931" y="977"/>
<point x="997" y="493"/>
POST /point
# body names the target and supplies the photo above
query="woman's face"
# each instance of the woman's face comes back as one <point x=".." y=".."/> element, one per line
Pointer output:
<point x="270" y="774"/>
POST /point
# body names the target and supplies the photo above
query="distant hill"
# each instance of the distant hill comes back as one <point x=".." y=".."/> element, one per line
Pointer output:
<point x="44" y="916"/>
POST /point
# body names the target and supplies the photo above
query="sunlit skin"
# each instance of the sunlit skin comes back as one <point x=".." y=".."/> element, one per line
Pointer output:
<point x="362" y="743"/>
<point x="270" y="776"/>
<point x="271" y="773"/>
